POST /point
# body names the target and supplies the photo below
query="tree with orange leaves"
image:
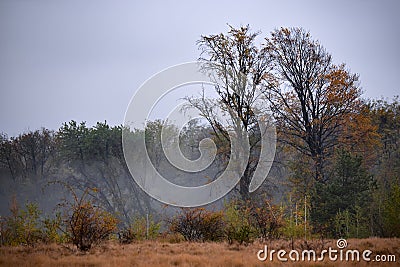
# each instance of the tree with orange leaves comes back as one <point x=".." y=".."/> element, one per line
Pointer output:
<point x="313" y="100"/>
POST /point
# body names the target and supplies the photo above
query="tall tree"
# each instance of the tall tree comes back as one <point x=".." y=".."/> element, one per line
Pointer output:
<point x="240" y="67"/>
<point x="310" y="96"/>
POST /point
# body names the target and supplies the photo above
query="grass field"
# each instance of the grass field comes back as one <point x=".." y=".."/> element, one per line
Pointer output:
<point x="159" y="253"/>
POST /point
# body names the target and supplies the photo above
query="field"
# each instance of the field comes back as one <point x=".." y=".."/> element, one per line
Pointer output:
<point x="161" y="253"/>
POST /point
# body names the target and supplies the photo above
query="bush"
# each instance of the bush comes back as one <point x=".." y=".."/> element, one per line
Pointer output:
<point x="138" y="230"/>
<point x="198" y="224"/>
<point x="238" y="225"/>
<point x="172" y="238"/>
<point x="267" y="219"/>
<point x="87" y="224"/>
<point x="22" y="227"/>
<point x="51" y="230"/>
<point x="245" y="221"/>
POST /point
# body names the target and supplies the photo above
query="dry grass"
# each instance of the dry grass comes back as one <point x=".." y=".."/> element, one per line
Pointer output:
<point x="156" y="253"/>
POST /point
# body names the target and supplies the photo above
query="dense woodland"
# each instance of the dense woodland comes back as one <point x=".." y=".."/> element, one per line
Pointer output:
<point x="336" y="172"/>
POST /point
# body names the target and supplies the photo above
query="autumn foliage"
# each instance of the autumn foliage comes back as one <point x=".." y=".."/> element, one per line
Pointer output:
<point x="336" y="168"/>
<point x="88" y="224"/>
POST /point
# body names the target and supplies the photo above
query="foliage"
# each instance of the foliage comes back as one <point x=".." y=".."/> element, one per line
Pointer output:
<point x="87" y="224"/>
<point x="384" y="208"/>
<point x="198" y="224"/>
<point x="301" y="177"/>
<point x="351" y="223"/>
<point x="240" y="66"/>
<point x="247" y="220"/>
<point x="140" y="229"/>
<point x="23" y="226"/>
<point x="93" y="157"/>
<point x="169" y="237"/>
<point x="52" y="229"/>
<point x="267" y="219"/>
<point x="336" y="147"/>
<point x="350" y="188"/>
<point x="293" y="230"/>
<point x="311" y="97"/>
<point x="391" y="213"/>
<point x="28" y="155"/>
<point x="238" y="226"/>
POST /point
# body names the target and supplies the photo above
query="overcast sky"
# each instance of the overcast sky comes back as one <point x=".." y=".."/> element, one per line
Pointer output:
<point x="83" y="60"/>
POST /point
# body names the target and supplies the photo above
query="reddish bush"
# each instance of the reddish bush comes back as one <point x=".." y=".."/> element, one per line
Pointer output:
<point x="198" y="224"/>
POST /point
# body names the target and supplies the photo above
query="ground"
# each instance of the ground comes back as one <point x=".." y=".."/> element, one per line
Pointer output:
<point x="161" y="253"/>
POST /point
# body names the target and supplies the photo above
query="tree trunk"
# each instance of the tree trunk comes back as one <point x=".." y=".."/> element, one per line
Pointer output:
<point x="245" y="183"/>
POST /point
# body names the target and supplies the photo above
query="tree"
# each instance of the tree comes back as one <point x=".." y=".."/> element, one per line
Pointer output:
<point x="7" y="156"/>
<point x="27" y="155"/>
<point x="349" y="190"/>
<point x="94" y="158"/>
<point x="310" y="97"/>
<point x="386" y="117"/>
<point x="391" y="212"/>
<point x="240" y="67"/>
<point x="386" y="204"/>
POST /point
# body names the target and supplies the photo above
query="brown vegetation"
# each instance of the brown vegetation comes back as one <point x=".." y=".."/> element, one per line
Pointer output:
<point x="161" y="253"/>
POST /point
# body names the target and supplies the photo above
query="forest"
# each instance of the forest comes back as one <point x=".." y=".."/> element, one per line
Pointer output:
<point x="336" y="172"/>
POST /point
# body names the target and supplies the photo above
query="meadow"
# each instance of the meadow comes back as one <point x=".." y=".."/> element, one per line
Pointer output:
<point x="164" y="253"/>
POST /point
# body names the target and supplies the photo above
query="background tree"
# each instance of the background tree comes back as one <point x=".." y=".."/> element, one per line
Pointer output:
<point x="8" y="158"/>
<point x="385" y="208"/>
<point x="27" y="155"/>
<point x="94" y="159"/>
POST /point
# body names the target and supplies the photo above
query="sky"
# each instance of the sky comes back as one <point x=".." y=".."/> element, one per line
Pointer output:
<point x="83" y="60"/>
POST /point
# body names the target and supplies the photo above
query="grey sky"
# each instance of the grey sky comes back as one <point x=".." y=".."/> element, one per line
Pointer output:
<point x="83" y="60"/>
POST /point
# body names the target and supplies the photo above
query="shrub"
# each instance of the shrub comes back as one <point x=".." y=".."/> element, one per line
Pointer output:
<point x="22" y="227"/>
<point x="52" y="230"/>
<point x="172" y="238"/>
<point x="198" y="224"/>
<point x="247" y="220"/>
<point x="267" y="219"/>
<point x="292" y="230"/>
<point x="238" y="226"/>
<point x="87" y="224"/>
<point x="138" y="230"/>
